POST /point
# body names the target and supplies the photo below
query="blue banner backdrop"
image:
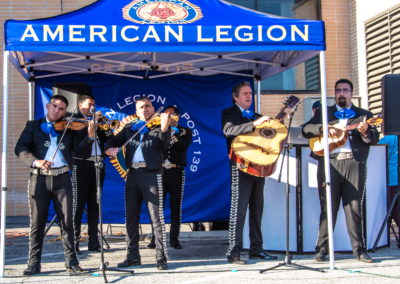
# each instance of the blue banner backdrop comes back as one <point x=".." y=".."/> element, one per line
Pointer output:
<point x="200" y="101"/>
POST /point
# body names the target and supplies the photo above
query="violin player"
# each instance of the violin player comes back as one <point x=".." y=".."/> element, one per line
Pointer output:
<point x="50" y="180"/>
<point x="246" y="190"/>
<point x="144" y="159"/>
<point x="174" y="174"/>
<point x="84" y="176"/>
<point x="348" y="169"/>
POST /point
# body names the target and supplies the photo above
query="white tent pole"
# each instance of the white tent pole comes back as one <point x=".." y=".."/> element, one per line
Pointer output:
<point x="4" y="164"/>
<point x="259" y="96"/>
<point x="326" y="159"/>
<point x="30" y="86"/>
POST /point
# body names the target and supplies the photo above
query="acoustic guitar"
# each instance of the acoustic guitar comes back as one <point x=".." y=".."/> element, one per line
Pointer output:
<point x="257" y="152"/>
<point x="317" y="143"/>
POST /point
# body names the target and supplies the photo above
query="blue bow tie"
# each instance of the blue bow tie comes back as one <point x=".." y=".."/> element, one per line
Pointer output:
<point x="137" y="125"/>
<point x="249" y="114"/>
<point x="345" y="113"/>
<point x="175" y="129"/>
<point x="47" y="128"/>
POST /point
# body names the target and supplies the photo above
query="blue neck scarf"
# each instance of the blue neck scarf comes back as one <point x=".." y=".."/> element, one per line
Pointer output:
<point x="345" y="113"/>
<point x="48" y="127"/>
<point x="175" y="129"/>
<point x="138" y="124"/>
<point x="249" y="114"/>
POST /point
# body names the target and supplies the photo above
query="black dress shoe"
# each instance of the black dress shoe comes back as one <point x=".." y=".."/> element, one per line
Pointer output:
<point x="364" y="257"/>
<point x="74" y="269"/>
<point x="98" y="249"/>
<point x="263" y="255"/>
<point x="320" y="256"/>
<point x="237" y="259"/>
<point x="129" y="262"/>
<point x="162" y="264"/>
<point x="151" y="245"/>
<point x="176" y="245"/>
<point x="32" y="270"/>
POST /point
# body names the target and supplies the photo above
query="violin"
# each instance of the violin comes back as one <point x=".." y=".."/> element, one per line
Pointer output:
<point x="76" y="124"/>
<point x="156" y="121"/>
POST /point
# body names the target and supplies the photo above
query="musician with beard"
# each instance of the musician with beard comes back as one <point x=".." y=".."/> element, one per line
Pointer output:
<point x="348" y="166"/>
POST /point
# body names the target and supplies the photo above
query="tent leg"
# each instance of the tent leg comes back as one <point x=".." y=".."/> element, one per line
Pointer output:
<point x="30" y="86"/>
<point x="4" y="164"/>
<point x="259" y="96"/>
<point x="326" y="160"/>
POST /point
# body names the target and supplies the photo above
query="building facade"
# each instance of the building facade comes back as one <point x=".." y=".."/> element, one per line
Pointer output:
<point x="346" y="22"/>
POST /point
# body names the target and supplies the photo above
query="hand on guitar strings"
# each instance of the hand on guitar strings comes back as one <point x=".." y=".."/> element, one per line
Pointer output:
<point x="261" y="120"/>
<point x="363" y="127"/>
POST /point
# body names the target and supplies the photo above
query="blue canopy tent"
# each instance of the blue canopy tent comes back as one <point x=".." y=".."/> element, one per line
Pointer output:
<point x="172" y="37"/>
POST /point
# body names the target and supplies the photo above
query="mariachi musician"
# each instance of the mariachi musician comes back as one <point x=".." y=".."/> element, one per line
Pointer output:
<point x="50" y="180"/>
<point x="84" y="176"/>
<point x="174" y="174"/>
<point x="246" y="190"/>
<point x="143" y="158"/>
<point x="348" y="169"/>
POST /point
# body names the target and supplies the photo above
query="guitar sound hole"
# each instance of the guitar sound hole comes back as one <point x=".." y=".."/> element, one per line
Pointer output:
<point x="268" y="132"/>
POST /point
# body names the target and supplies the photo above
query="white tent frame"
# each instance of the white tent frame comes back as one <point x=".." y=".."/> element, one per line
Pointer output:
<point x="153" y="59"/>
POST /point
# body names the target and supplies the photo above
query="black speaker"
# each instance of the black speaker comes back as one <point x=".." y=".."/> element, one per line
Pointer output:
<point x="391" y="104"/>
<point x="71" y="91"/>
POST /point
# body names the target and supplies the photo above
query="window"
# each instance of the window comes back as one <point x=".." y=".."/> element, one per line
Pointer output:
<point x="305" y="76"/>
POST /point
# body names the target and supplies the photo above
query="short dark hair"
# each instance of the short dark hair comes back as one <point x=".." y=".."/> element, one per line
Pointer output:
<point x="84" y="97"/>
<point x="176" y="110"/>
<point x="142" y="99"/>
<point x="237" y="88"/>
<point x="60" y="98"/>
<point x="346" y="81"/>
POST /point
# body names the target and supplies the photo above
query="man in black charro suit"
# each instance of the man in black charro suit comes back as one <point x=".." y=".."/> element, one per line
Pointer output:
<point x="143" y="158"/>
<point x="174" y="175"/>
<point x="50" y="180"/>
<point x="246" y="190"/>
<point x="84" y="176"/>
<point x="348" y="169"/>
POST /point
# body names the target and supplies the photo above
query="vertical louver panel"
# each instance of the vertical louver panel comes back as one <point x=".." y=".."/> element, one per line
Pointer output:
<point x="382" y="34"/>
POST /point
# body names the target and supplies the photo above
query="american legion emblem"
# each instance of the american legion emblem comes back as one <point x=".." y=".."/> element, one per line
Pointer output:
<point x="162" y="12"/>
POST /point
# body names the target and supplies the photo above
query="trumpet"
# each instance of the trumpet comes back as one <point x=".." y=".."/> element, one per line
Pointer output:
<point x="109" y="124"/>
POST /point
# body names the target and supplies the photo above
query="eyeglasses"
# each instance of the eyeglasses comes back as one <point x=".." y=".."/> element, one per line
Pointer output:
<point x="345" y="91"/>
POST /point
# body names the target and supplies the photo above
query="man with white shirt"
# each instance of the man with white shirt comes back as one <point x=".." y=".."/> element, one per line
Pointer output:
<point x="50" y="180"/>
<point x="84" y="177"/>
<point x="144" y="159"/>
<point x="348" y="169"/>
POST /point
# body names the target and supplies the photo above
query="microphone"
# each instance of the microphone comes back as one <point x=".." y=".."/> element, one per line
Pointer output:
<point x="92" y="110"/>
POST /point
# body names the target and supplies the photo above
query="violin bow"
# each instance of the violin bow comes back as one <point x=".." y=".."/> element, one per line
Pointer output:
<point x="65" y="130"/>
<point x="145" y="125"/>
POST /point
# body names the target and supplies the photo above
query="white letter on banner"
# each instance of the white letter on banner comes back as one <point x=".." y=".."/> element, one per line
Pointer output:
<point x="248" y="36"/>
<point x="296" y="30"/>
<point x="260" y="37"/>
<point x="276" y="38"/>
<point x="114" y="33"/>
<point x="99" y="34"/>
<point x="127" y="38"/>
<point x="220" y="33"/>
<point x="199" y="36"/>
<point x="152" y="35"/>
<point x="59" y="31"/>
<point x="72" y="33"/>
<point x="31" y="32"/>
<point x="169" y="30"/>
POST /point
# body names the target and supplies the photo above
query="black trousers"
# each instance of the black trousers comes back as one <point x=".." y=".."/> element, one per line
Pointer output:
<point x="246" y="191"/>
<point x="348" y="179"/>
<point x="144" y="184"/>
<point x="85" y="192"/>
<point x="41" y="190"/>
<point x="174" y="183"/>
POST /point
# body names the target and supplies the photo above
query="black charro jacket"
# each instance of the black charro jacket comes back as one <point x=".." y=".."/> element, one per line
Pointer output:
<point x="178" y="146"/>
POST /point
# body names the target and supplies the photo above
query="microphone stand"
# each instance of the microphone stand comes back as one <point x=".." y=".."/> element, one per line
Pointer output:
<point x="288" y="257"/>
<point x="98" y="166"/>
